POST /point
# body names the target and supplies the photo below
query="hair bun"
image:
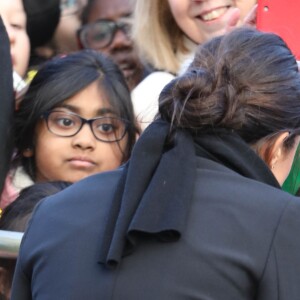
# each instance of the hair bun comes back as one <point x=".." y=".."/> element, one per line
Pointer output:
<point x="197" y="83"/>
<point x="182" y="98"/>
<point x="246" y="81"/>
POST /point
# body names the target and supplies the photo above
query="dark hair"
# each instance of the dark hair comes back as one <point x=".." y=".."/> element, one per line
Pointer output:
<point x="17" y="214"/>
<point x="61" y="78"/>
<point x="42" y="20"/>
<point x="246" y="81"/>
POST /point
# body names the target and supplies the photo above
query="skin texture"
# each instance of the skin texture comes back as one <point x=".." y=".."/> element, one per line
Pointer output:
<point x="73" y="158"/>
<point x="121" y="50"/>
<point x="283" y="159"/>
<point x="218" y="13"/>
<point x="64" y="38"/>
<point x="14" y="19"/>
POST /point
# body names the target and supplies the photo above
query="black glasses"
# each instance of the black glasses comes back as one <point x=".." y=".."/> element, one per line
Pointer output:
<point x="67" y="124"/>
<point x="100" y="34"/>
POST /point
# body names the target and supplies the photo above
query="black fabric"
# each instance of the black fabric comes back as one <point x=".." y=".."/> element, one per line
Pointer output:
<point x="42" y="19"/>
<point x="226" y="147"/>
<point x="156" y="187"/>
<point x="143" y="202"/>
<point x="7" y="105"/>
<point x="239" y="241"/>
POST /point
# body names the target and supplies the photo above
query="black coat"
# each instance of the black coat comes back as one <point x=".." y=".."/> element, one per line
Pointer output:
<point x="7" y="105"/>
<point x="240" y="240"/>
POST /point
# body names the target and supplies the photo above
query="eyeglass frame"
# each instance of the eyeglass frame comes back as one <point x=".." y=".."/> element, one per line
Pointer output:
<point x="118" y="25"/>
<point x="84" y="121"/>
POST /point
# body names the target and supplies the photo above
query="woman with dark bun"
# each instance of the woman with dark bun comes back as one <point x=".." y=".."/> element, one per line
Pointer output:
<point x="198" y="211"/>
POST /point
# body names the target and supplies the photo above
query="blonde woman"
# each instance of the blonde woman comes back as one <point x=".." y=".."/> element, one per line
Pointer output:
<point x="167" y="33"/>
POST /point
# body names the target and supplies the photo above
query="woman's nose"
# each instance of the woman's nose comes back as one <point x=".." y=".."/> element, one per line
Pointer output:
<point x="121" y="40"/>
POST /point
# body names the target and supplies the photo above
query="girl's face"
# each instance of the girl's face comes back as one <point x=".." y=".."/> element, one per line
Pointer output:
<point x="202" y="20"/>
<point x="14" y="18"/>
<point x="75" y="157"/>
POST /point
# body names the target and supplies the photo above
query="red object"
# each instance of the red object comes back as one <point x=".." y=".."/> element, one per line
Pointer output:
<point x="281" y="17"/>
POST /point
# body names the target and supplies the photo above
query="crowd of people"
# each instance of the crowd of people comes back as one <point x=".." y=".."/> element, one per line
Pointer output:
<point x="149" y="150"/>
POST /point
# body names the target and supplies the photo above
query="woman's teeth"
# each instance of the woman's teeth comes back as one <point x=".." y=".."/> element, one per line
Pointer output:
<point x="214" y="14"/>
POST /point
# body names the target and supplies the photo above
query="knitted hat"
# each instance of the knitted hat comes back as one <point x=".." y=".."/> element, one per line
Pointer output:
<point x="42" y="20"/>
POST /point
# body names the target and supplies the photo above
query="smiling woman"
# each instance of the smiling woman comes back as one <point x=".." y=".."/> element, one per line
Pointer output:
<point x="75" y="120"/>
<point x="203" y="20"/>
<point x="167" y="33"/>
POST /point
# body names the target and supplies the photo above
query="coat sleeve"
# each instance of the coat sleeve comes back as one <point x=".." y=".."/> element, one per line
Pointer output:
<point x="281" y="277"/>
<point x="7" y="105"/>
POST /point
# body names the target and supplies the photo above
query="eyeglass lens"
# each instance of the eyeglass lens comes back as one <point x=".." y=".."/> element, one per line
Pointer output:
<point x="107" y="129"/>
<point x="100" y="34"/>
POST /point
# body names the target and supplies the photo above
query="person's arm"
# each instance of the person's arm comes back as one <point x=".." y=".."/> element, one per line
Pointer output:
<point x="6" y="105"/>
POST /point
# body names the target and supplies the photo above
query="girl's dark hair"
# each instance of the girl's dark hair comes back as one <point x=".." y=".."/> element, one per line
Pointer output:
<point x="246" y="81"/>
<point x="60" y="79"/>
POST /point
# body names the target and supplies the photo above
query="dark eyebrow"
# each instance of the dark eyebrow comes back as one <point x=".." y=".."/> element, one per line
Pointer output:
<point x="100" y="112"/>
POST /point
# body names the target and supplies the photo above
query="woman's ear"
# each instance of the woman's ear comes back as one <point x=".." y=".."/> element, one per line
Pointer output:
<point x="281" y="158"/>
<point x="28" y="152"/>
<point x="277" y="152"/>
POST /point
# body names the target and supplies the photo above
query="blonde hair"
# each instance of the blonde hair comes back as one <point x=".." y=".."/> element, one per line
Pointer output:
<point x="157" y="35"/>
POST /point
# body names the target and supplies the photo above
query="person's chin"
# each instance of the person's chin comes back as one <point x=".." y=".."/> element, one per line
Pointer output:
<point x="133" y="77"/>
<point x="129" y="73"/>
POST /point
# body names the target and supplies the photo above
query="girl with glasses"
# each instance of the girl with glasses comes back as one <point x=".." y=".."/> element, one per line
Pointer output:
<point x="75" y="120"/>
